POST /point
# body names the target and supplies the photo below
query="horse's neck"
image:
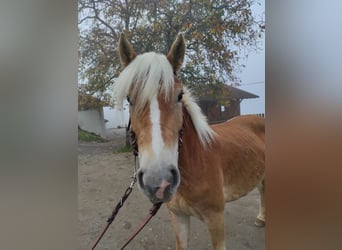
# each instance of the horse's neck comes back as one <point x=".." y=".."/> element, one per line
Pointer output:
<point x="191" y="152"/>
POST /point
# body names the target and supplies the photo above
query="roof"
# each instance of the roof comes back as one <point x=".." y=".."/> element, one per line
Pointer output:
<point x="207" y="99"/>
<point x="235" y="93"/>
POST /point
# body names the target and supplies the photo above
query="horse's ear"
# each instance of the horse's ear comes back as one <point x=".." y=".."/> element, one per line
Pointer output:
<point x="126" y="51"/>
<point x="176" y="53"/>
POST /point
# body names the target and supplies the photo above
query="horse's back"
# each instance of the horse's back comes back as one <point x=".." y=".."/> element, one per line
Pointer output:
<point x="241" y="127"/>
<point x="240" y="142"/>
<point x="253" y="122"/>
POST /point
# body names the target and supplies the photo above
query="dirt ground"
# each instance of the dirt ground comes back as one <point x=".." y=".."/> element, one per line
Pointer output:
<point x="103" y="176"/>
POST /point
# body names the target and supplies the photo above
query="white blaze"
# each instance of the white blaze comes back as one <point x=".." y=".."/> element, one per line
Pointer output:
<point x="160" y="156"/>
<point x="157" y="139"/>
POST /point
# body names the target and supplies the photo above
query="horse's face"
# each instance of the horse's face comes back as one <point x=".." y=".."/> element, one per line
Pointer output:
<point x="156" y="129"/>
<point x="157" y="121"/>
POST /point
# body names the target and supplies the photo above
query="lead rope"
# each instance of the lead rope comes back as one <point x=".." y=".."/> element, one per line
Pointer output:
<point x="118" y="206"/>
<point x="153" y="212"/>
<point x="122" y="200"/>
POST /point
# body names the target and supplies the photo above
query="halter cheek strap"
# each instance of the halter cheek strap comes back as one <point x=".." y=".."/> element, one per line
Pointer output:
<point x="134" y="143"/>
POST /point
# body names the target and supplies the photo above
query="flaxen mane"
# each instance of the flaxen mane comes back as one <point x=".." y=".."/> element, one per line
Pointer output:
<point x="150" y="73"/>
<point x="143" y="78"/>
<point x="204" y="131"/>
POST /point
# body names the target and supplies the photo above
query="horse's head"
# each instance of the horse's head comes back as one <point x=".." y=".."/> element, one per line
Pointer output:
<point x="155" y="94"/>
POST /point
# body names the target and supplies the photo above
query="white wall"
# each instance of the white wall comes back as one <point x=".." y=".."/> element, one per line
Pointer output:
<point x="92" y="121"/>
<point x="116" y="117"/>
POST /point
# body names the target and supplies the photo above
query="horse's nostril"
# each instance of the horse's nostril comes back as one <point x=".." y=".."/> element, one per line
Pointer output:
<point x="174" y="174"/>
<point x="140" y="178"/>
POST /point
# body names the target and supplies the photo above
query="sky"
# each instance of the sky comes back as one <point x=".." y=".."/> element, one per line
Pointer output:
<point x="253" y="75"/>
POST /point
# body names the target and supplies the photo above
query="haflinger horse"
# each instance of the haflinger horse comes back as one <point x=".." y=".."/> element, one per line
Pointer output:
<point x="193" y="167"/>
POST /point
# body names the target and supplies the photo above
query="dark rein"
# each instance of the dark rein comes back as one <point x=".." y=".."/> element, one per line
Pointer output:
<point x="152" y="212"/>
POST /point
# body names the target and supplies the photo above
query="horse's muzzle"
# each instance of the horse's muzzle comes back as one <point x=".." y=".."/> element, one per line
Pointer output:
<point x="159" y="185"/>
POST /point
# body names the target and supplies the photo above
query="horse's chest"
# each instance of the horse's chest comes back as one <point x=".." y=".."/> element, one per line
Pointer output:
<point x="179" y="205"/>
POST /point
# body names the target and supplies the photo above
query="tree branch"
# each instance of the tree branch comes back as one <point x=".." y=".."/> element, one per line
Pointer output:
<point x="102" y="21"/>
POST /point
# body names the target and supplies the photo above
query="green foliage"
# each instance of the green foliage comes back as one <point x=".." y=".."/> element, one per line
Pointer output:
<point x="215" y="31"/>
<point x="218" y="90"/>
<point x="124" y="149"/>
<point x="87" y="136"/>
<point x="86" y="101"/>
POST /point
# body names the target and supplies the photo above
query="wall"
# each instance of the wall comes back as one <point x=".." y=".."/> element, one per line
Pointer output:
<point x="116" y="118"/>
<point x="212" y="110"/>
<point x="92" y="121"/>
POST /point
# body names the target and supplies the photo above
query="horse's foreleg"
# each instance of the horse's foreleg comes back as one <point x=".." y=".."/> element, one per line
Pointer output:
<point x="215" y="224"/>
<point x="261" y="218"/>
<point x="181" y="227"/>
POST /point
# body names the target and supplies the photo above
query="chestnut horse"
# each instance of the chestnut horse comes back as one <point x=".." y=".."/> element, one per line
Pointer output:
<point x="213" y="165"/>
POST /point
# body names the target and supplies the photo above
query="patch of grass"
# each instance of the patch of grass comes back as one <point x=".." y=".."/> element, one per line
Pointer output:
<point x="124" y="149"/>
<point x="87" y="136"/>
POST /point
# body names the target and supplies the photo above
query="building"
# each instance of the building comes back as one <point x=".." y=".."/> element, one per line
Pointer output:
<point x="90" y="114"/>
<point x="217" y="113"/>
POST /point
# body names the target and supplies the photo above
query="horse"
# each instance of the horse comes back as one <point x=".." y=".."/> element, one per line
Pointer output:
<point x="191" y="166"/>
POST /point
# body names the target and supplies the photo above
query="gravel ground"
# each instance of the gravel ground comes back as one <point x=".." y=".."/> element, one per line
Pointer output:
<point x="103" y="176"/>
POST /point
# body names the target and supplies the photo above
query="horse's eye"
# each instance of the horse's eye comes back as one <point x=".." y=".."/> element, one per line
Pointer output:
<point x="180" y="96"/>
<point x="129" y="100"/>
